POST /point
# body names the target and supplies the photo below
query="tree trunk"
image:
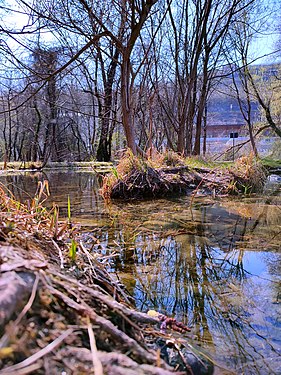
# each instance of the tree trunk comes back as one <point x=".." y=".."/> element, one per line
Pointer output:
<point x="126" y="103"/>
<point x="205" y="130"/>
<point x="201" y="106"/>
<point x="104" y="147"/>
<point x="180" y="142"/>
<point x="35" y="143"/>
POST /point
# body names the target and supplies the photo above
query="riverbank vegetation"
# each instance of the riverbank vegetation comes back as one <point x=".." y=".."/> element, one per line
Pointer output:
<point x="169" y="174"/>
<point x="61" y="311"/>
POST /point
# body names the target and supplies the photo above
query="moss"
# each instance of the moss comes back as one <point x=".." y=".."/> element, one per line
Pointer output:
<point x="199" y="162"/>
<point x="271" y="163"/>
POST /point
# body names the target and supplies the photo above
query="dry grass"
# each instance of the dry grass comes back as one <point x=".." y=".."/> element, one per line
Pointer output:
<point x="19" y="220"/>
<point x="169" y="173"/>
<point x="141" y="173"/>
<point x="249" y="175"/>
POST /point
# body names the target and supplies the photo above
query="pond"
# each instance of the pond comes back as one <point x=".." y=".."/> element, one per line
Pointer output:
<point x="214" y="264"/>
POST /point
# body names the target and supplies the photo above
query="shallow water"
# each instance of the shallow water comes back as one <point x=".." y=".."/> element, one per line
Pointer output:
<point x="212" y="263"/>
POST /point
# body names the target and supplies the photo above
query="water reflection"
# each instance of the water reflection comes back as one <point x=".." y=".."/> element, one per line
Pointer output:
<point x="217" y="271"/>
<point x="214" y="265"/>
<point x="209" y="280"/>
<point x="81" y="187"/>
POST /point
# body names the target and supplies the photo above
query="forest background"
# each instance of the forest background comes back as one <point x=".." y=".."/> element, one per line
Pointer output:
<point x="83" y="79"/>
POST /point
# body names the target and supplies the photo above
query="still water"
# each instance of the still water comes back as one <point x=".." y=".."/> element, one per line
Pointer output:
<point x="214" y="264"/>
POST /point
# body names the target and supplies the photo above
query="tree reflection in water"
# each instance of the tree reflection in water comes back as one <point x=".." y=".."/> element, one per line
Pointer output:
<point x="210" y="280"/>
<point x="216" y="268"/>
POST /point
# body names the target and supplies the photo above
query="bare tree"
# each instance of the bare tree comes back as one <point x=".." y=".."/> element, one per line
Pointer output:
<point x="120" y="22"/>
<point x="241" y="37"/>
<point x="151" y="61"/>
<point x="197" y="39"/>
<point x="255" y="82"/>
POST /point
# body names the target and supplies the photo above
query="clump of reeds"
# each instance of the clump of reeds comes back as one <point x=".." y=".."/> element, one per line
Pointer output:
<point x="137" y="177"/>
<point x="173" y="158"/>
<point x="27" y="223"/>
<point x="127" y="164"/>
<point x="249" y="175"/>
<point x="167" y="158"/>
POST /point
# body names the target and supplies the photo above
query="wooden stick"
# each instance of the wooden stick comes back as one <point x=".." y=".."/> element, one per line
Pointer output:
<point x="98" y="369"/>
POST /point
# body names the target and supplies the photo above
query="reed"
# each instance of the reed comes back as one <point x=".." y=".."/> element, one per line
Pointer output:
<point x="73" y="250"/>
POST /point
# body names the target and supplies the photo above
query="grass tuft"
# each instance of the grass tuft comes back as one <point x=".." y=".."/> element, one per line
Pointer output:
<point x="250" y="175"/>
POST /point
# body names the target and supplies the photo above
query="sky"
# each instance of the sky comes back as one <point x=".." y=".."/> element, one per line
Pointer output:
<point x="263" y="48"/>
<point x="261" y="51"/>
